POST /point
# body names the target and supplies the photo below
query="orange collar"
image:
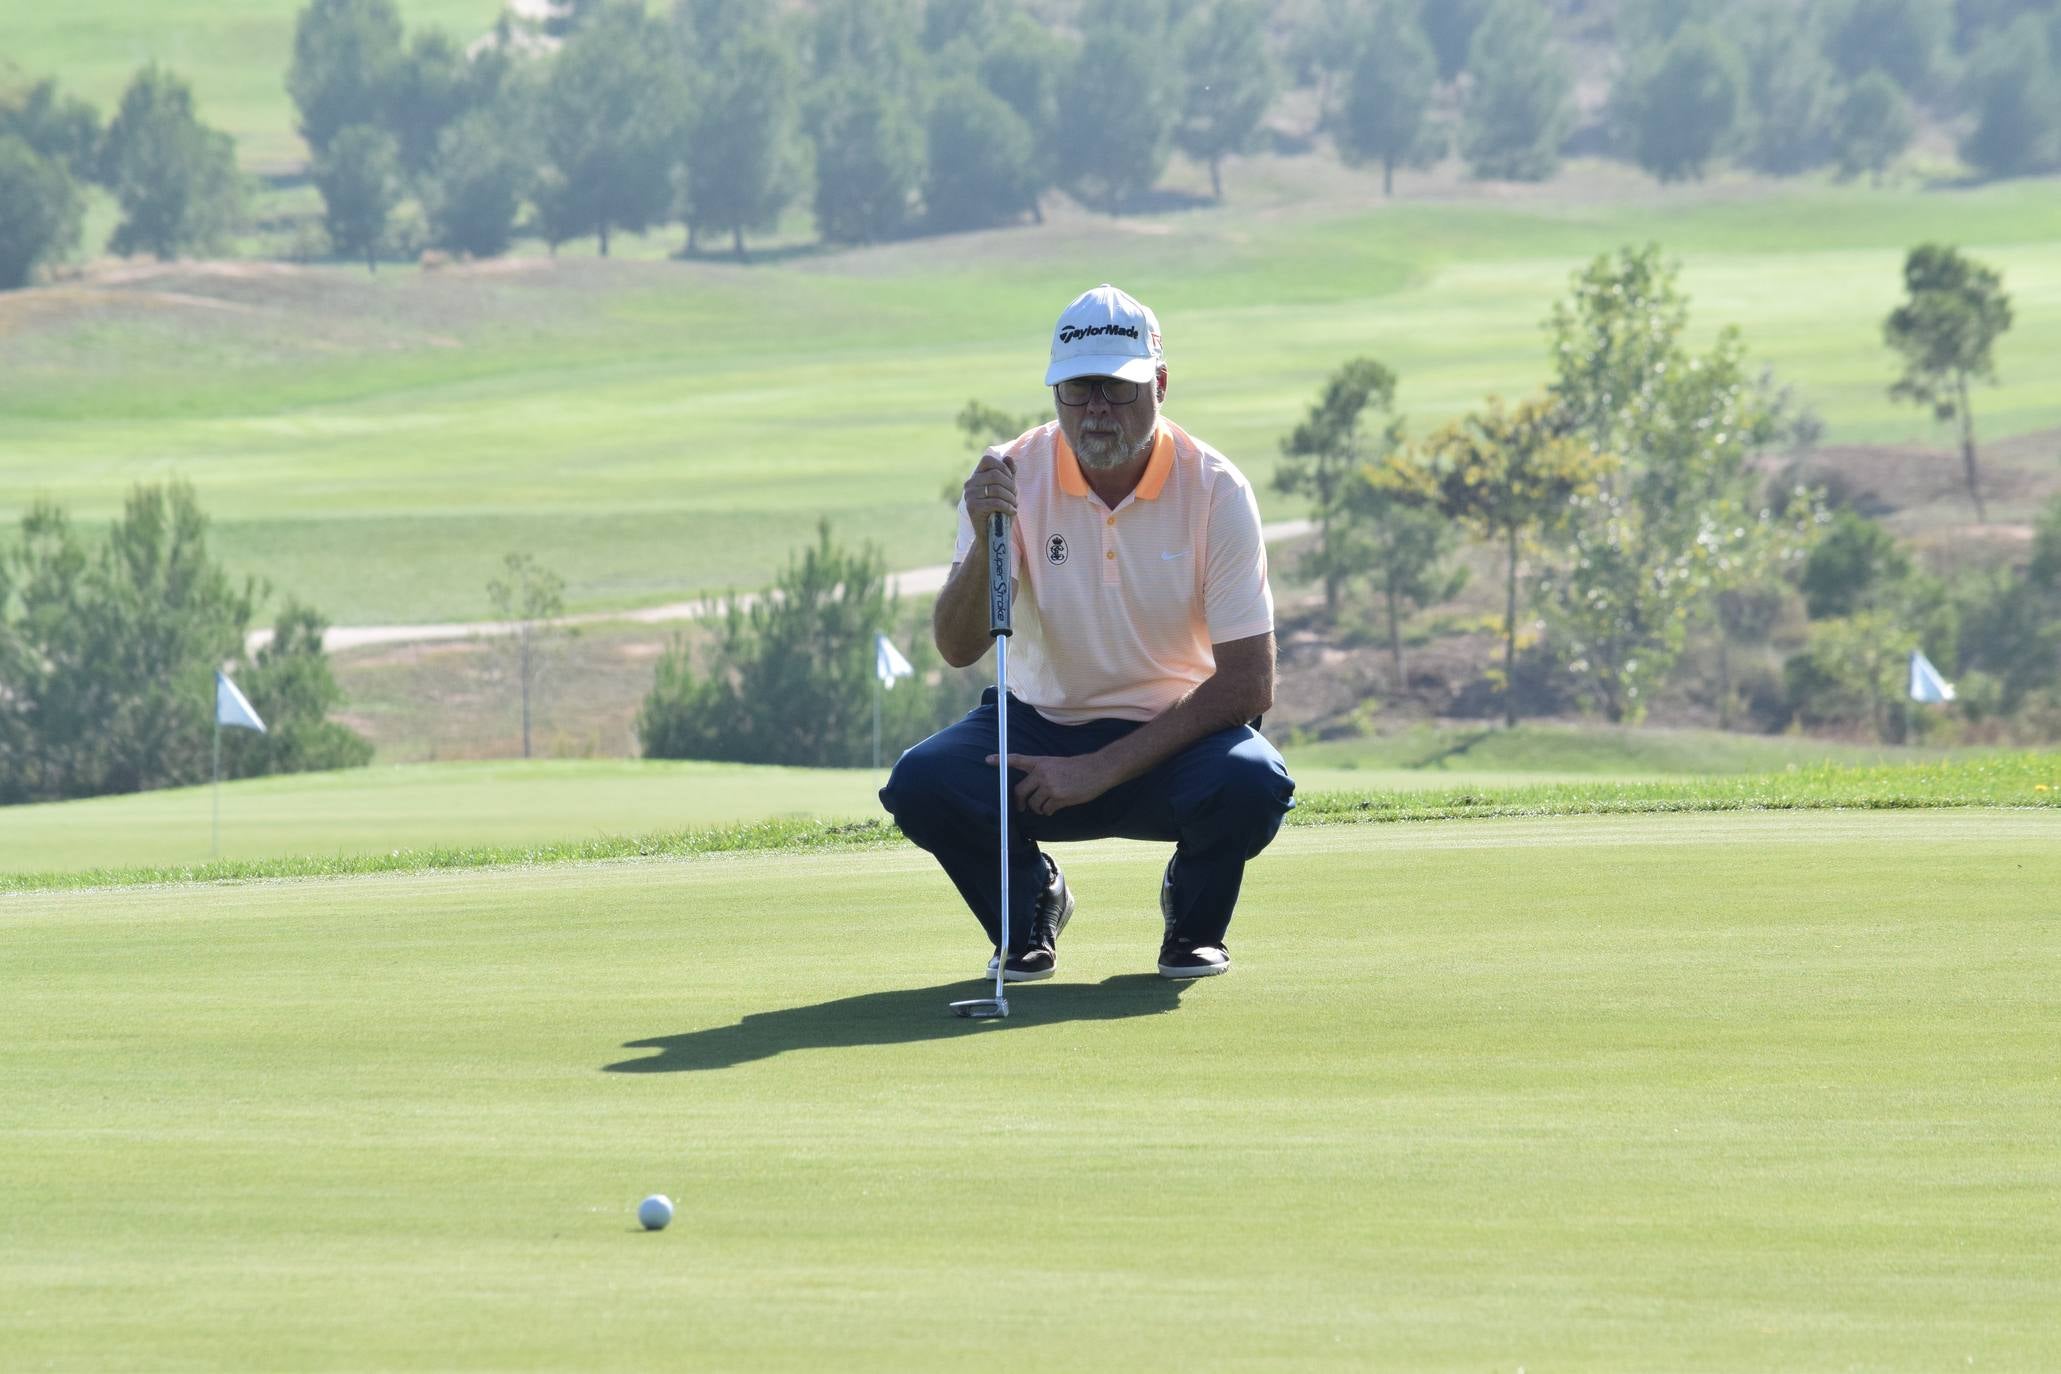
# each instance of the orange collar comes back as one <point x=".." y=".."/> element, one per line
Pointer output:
<point x="1158" y="467"/>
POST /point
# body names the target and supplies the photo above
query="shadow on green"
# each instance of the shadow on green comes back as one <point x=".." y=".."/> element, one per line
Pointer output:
<point x="899" y="1017"/>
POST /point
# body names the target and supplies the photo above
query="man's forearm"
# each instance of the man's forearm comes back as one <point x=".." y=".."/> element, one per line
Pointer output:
<point x="959" y="621"/>
<point x="1217" y="703"/>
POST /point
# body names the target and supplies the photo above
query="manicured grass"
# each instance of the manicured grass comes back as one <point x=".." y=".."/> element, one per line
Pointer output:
<point x="480" y="816"/>
<point x="369" y="812"/>
<point x="1681" y="1092"/>
<point x="656" y="428"/>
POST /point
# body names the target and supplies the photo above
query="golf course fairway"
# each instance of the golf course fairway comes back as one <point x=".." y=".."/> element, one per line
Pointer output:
<point x="1684" y="1092"/>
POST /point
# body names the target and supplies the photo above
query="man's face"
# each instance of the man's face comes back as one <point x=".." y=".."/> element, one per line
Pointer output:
<point x="1107" y="434"/>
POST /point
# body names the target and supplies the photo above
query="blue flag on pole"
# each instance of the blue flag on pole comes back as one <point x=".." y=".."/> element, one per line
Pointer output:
<point x="232" y="708"/>
<point x="1926" y="683"/>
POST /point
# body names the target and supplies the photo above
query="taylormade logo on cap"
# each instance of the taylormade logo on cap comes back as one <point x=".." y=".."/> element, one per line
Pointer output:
<point x="1105" y="333"/>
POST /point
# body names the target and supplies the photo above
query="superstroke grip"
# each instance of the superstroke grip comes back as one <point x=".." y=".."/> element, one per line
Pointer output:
<point x="999" y="567"/>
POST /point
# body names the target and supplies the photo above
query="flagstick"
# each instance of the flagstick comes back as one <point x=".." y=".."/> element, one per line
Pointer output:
<point x="876" y="722"/>
<point x="215" y="842"/>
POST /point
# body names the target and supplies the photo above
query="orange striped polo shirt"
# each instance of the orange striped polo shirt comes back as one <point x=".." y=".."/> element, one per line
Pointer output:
<point x="1117" y="611"/>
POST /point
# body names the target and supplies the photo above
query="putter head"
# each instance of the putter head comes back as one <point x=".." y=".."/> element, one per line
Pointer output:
<point x="982" y="1008"/>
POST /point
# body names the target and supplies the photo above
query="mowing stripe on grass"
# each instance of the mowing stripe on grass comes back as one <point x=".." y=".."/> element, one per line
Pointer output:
<point x="2002" y="780"/>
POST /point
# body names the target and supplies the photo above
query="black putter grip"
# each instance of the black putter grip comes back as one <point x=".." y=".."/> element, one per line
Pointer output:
<point x="999" y="567"/>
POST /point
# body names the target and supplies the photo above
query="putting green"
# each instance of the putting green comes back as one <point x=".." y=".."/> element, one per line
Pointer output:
<point x="1683" y="1092"/>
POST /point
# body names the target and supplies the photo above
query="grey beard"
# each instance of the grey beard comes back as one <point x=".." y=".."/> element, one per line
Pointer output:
<point x="1110" y="455"/>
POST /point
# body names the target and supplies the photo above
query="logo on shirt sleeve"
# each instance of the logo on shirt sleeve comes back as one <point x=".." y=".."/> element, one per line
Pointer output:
<point x="1055" y="550"/>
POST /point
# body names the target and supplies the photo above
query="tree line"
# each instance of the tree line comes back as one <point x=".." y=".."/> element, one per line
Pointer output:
<point x="108" y="651"/>
<point x="1633" y="524"/>
<point x="889" y="117"/>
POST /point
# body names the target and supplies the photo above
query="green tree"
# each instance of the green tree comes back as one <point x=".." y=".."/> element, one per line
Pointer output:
<point x="985" y="425"/>
<point x="613" y="109"/>
<point x="1651" y="547"/>
<point x="57" y="127"/>
<point x="1852" y="671"/>
<point x="1790" y="92"/>
<point x="175" y="177"/>
<point x="429" y="90"/>
<point x="1110" y="162"/>
<point x="1904" y="39"/>
<point x="1388" y="96"/>
<point x="345" y="57"/>
<point x="745" y="141"/>
<point x="1521" y="107"/>
<point x="983" y="163"/>
<point x="1407" y="550"/>
<point x="1450" y="25"/>
<point x="1368" y="527"/>
<point x="1873" y="126"/>
<point x="2016" y="97"/>
<point x="1677" y="108"/>
<point x="291" y="687"/>
<point x="1975" y="19"/>
<point x="1656" y="23"/>
<point x="1946" y="330"/>
<point x="1319" y="43"/>
<point x="40" y="212"/>
<point x="2013" y="630"/>
<point x="476" y="188"/>
<point x="1021" y="66"/>
<point x="1322" y="459"/>
<point x="1507" y="474"/>
<point x="869" y="160"/>
<point x="870" y="40"/>
<point x="973" y="22"/>
<point x="1228" y="82"/>
<point x="108" y="652"/>
<point x="528" y="599"/>
<point x="122" y="645"/>
<point x="359" y="176"/>
<point x="789" y="674"/>
<point x="1855" y="566"/>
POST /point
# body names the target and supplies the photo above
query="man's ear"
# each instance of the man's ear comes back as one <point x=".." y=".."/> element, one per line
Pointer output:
<point x="1162" y="382"/>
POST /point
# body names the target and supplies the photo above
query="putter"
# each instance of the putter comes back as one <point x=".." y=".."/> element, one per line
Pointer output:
<point x="999" y="563"/>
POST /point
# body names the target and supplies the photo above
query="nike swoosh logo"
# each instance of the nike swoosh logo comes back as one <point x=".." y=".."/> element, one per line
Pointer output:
<point x="1170" y="557"/>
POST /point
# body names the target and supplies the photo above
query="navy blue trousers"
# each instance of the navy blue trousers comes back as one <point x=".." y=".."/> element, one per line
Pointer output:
<point x="1220" y="801"/>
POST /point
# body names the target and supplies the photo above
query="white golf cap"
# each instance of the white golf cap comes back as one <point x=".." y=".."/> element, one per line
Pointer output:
<point x="1105" y="333"/>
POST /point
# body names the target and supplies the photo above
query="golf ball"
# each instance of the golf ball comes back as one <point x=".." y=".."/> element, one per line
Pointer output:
<point x="655" y="1211"/>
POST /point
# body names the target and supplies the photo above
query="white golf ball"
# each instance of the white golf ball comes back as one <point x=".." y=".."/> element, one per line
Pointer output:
<point x="655" y="1211"/>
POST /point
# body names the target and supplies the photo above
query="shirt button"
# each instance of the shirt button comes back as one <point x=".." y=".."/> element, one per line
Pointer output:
<point x="1111" y="520"/>
<point x="1110" y="554"/>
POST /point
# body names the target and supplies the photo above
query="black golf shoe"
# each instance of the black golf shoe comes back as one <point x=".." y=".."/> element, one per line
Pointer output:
<point x="1182" y="959"/>
<point x="1039" y="957"/>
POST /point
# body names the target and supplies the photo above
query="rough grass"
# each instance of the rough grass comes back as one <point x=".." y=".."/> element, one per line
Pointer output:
<point x="1546" y="747"/>
<point x="653" y="429"/>
<point x="1999" y="780"/>
<point x="1693" y="1093"/>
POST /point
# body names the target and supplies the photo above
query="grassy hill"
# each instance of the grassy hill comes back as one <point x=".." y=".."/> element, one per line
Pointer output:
<point x="651" y="428"/>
